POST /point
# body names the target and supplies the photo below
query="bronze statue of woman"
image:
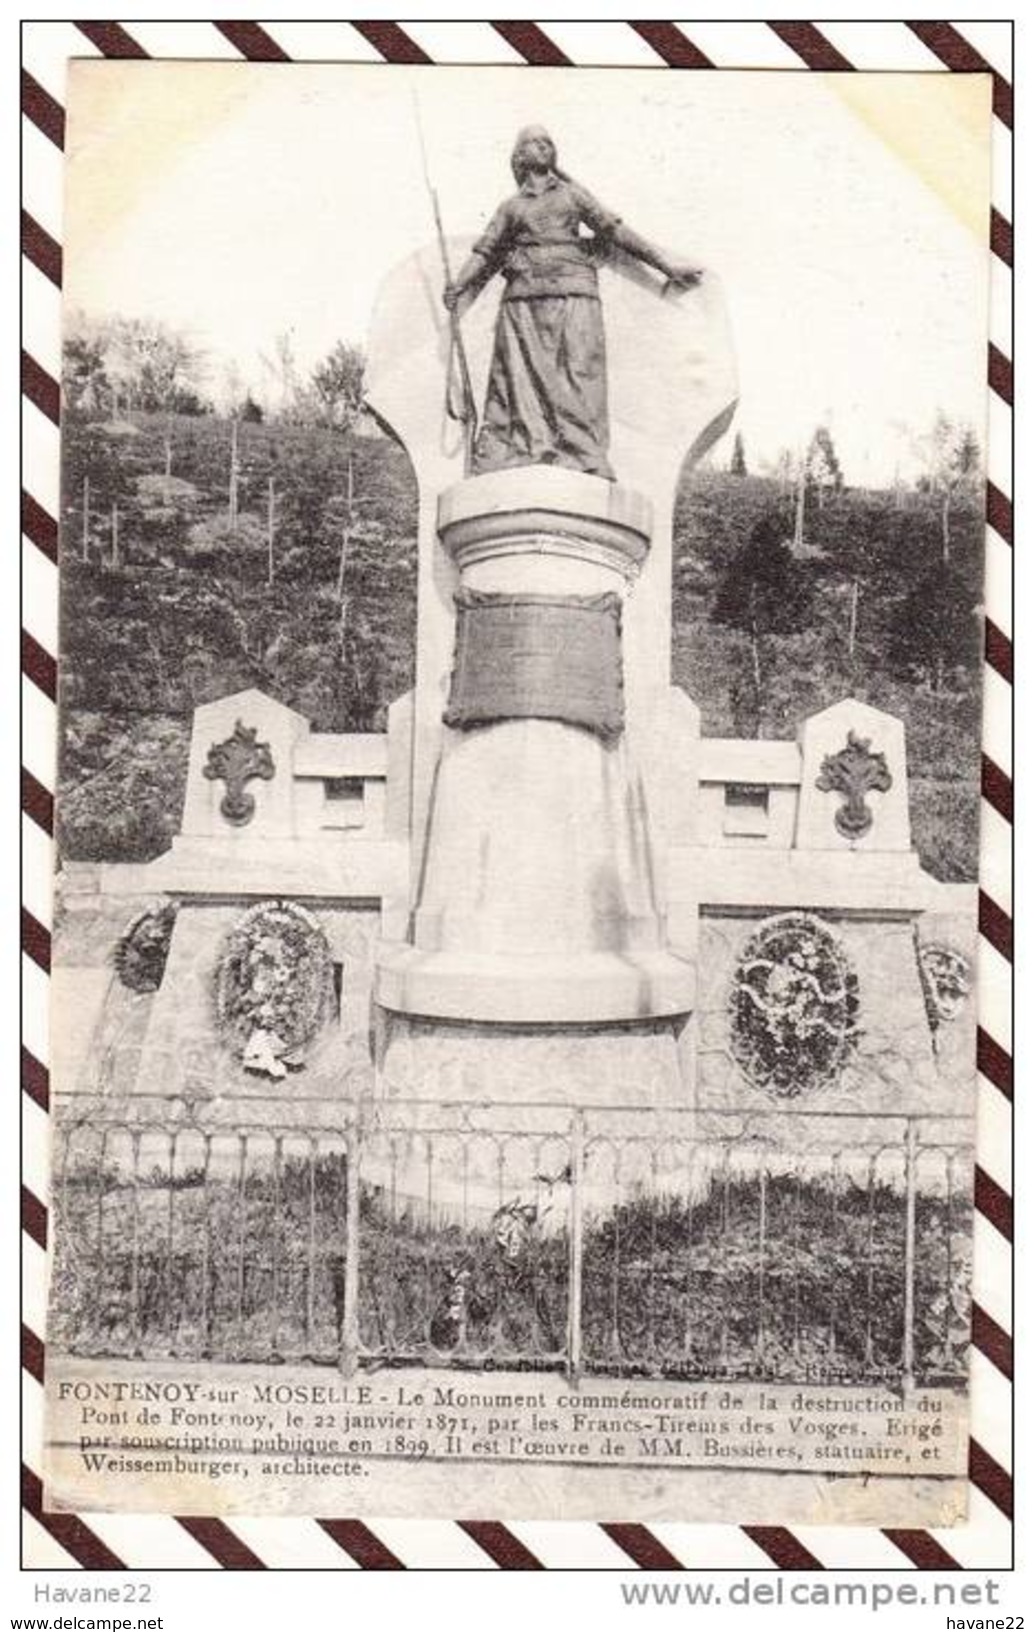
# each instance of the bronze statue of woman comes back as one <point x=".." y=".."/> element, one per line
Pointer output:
<point x="546" y="401"/>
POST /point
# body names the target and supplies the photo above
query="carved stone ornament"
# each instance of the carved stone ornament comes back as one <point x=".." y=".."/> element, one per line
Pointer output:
<point x="235" y="762"/>
<point x="854" y="772"/>
<point x="143" y="947"/>
<point x="273" y="987"/>
<point x="947" y="982"/>
<point x="793" y="1007"/>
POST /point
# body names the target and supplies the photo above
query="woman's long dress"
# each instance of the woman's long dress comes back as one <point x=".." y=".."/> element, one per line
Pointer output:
<point x="546" y="401"/>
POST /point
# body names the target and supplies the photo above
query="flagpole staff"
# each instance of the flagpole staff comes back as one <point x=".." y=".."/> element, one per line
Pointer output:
<point x="467" y="413"/>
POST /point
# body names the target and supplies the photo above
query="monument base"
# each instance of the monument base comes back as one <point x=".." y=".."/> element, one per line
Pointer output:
<point x="469" y="1120"/>
<point x="537" y="897"/>
<point x="634" y="1064"/>
<point x="589" y="987"/>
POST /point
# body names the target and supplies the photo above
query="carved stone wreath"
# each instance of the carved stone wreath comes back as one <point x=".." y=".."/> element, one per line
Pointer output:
<point x="143" y="948"/>
<point x="947" y="982"/>
<point x="274" y="982"/>
<point x="793" y="1007"/>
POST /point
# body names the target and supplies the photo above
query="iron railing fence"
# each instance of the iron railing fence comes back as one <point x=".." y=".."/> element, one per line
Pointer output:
<point x="789" y="1245"/>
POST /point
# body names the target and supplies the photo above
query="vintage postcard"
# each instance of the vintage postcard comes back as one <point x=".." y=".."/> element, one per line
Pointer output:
<point x="514" y="992"/>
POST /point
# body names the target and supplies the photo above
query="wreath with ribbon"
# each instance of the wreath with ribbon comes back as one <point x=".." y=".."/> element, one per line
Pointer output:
<point x="274" y="984"/>
<point x="793" y="1007"/>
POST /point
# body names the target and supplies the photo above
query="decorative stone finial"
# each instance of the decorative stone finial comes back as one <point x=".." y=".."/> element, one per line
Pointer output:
<point x="855" y="771"/>
<point x="235" y="762"/>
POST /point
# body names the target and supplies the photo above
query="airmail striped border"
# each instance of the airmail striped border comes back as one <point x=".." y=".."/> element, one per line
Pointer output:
<point x="110" y="1542"/>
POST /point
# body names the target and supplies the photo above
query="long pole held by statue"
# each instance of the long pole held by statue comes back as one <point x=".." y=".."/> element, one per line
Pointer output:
<point x="466" y="413"/>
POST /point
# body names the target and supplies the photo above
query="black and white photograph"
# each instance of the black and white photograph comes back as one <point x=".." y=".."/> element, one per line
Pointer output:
<point x="522" y="548"/>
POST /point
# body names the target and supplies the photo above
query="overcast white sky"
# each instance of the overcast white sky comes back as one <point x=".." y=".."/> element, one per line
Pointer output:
<point x="847" y="221"/>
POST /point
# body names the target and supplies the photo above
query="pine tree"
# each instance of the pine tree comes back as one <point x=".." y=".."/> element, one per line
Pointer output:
<point x="738" y="462"/>
<point x="824" y="474"/>
<point x="951" y="455"/>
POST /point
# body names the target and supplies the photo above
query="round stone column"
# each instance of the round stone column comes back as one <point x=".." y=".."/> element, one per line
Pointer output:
<point x="536" y="900"/>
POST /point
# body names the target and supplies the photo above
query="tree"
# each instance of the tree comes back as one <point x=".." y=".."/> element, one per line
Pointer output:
<point x="338" y="384"/>
<point x="824" y="475"/>
<point x="233" y="484"/>
<point x="738" y="462"/>
<point x="283" y="368"/>
<point x="935" y="629"/>
<point x="151" y="367"/>
<point x="871" y="551"/>
<point x="84" y="380"/>
<point x="168" y="368"/>
<point x="764" y="592"/>
<point x="114" y="365"/>
<point x="783" y="468"/>
<point x="952" y="456"/>
<point x="234" y="392"/>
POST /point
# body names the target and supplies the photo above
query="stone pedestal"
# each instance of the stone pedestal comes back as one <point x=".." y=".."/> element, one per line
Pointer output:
<point x="537" y="900"/>
<point x="671" y="391"/>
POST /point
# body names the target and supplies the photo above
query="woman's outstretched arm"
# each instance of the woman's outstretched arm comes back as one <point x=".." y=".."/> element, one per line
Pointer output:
<point x="677" y="271"/>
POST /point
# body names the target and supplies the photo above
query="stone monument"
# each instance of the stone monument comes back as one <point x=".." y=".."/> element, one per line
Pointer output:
<point x="543" y="717"/>
<point x="541" y="887"/>
<point x="538" y="1031"/>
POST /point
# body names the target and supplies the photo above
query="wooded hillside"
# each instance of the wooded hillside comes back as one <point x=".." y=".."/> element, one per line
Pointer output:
<point x="201" y="554"/>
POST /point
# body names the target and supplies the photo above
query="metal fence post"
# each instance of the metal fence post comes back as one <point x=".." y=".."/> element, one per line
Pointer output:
<point x="574" y="1251"/>
<point x="908" y="1336"/>
<point x="348" y="1359"/>
<point x="759" y="1341"/>
<point x="134" y="1262"/>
